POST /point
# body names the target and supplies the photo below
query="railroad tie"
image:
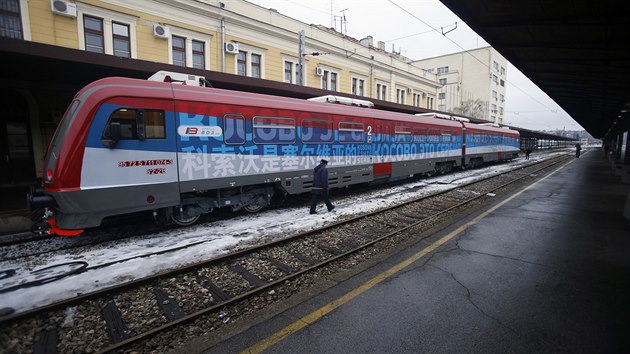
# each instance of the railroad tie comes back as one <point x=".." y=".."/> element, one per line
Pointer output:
<point x="349" y="244"/>
<point x="368" y="236"/>
<point x="247" y="275"/>
<point x="283" y="267"/>
<point x="116" y="327"/>
<point x="410" y="216"/>
<point x="402" y="220"/>
<point x="305" y="259"/>
<point x="218" y="295"/>
<point x="168" y="305"/>
<point x="46" y="342"/>
<point x="330" y="249"/>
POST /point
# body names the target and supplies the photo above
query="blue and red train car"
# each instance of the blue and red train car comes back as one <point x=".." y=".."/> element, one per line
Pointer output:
<point x="128" y="145"/>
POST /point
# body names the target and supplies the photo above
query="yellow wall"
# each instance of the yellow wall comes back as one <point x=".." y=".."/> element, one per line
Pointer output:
<point x="51" y="29"/>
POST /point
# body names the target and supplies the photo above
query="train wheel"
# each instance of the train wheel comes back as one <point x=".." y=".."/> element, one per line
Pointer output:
<point x="253" y="208"/>
<point x="181" y="218"/>
<point x="256" y="205"/>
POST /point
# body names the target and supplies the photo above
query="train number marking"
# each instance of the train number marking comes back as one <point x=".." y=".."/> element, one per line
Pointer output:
<point x="145" y="163"/>
<point x="199" y="131"/>
<point x="156" y="171"/>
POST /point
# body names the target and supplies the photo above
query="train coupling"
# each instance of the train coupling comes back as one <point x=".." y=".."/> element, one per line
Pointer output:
<point x="47" y="225"/>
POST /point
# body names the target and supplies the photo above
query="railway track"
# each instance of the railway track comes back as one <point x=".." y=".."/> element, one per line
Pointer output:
<point x="149" y="313"/>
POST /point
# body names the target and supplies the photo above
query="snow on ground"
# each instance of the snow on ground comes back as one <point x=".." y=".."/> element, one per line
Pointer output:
<point x="209" y="240"/>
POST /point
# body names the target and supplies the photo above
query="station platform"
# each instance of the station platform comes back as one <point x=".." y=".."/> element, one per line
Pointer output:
<point x="545" y="270"/>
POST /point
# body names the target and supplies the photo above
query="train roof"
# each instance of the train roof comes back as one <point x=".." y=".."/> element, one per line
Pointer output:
<point x="119" y="86"/>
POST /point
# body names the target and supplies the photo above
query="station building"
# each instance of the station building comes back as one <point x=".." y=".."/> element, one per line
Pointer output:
<point x="472" y="83"/>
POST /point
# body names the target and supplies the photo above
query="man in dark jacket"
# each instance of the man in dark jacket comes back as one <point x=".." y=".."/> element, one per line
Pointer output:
<point x="320" y="187"/>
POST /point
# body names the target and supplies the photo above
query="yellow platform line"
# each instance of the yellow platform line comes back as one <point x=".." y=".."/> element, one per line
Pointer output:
<point x="331" y="306"/>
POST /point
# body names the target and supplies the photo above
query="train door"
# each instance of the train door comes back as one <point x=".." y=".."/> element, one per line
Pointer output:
<point x="141" y="162"/>
<point x="381" y="150"/>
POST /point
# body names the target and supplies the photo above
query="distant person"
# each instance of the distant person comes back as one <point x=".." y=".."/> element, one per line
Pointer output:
<point x="578" y="148"/>
<point x="527" y="152"/>
<point x="320" y="187"/>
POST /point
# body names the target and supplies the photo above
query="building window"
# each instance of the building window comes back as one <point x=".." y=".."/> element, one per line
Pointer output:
<point x="494" y="95"/>
<point x="288" y="72"/>
<point x="502" y="71"/>
<point x="495" y="79"/>
<point x="494" y="108"/>
<point x="430" y="102"/>
<point x="179" y="50"/>
<point x="329" y="80"/>
<point x="417" y="98"/>
<point x="198" y="54"/>
<point x="241" y="63"/>
<point x="442" y="81"/>
<point x="441" y="96"/>
<point x="502" y="97"/>
<point x="381" y="92"/>
<point x="93" y="28"/>
<point x="442" y="70"/>
<point x="502" y="83"/>
<point x="400" y="96"/>
<point x="358" y="86"/>
<point x="120" y="36"/>
<point x="495" y="65"/>
<point x="442" y="107"/>
<point x="10" y="19"/>
<point x="256" y="65"/>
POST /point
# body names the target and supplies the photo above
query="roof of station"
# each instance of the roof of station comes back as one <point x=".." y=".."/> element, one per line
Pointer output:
<point x="577" y="52"/>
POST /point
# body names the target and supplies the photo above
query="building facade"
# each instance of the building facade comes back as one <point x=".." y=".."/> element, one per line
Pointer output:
<point x="232" y="36"/>
<point x="472" y="83"/>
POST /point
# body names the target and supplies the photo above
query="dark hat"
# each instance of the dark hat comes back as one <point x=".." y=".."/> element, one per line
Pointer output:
<point x="325" y="162"/>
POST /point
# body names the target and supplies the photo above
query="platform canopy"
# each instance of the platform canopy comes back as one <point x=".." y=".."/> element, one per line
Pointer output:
<point x="577" y="52"/>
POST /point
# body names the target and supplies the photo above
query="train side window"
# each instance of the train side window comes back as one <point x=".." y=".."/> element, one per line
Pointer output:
<point x="273" y="130"/>
<point x="350" y="132"/>
<point x="419" y="135"/>
<point x="137" y="124"/>
<point x="317" y="131"/>
<point x="403" y="134"/>
<point x="154" y="127"/>
<point x="446" y="136"/>
<point x="234" y="129"/>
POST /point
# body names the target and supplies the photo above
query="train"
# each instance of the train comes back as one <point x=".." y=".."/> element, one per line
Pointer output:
<point x="176" y="147"/>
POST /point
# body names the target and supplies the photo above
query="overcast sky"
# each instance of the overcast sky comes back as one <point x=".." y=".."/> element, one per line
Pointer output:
<point x="410" y="26"/>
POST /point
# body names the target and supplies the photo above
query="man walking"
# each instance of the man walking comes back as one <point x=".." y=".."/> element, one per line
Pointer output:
<point x="578" y="148"/>
<point x="320" y="187"/>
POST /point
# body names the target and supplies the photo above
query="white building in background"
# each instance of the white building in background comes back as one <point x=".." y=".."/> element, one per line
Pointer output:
<point x="472" y="83"/>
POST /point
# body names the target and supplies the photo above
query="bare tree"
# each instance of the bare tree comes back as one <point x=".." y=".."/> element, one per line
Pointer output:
<point x="472" y="108"/>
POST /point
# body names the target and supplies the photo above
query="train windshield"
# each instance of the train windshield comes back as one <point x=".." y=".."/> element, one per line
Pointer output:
<point x="62" y="129"/>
